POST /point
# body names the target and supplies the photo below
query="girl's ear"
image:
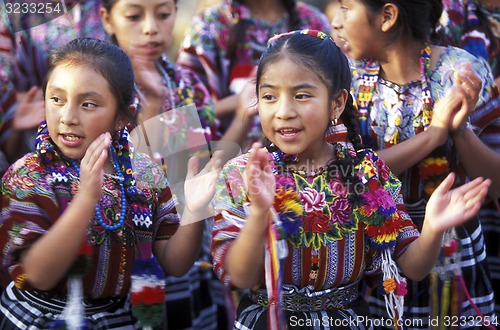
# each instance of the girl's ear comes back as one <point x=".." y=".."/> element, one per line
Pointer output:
<point x="338" y="105"/>
<point x="106" y="20"/>
<point x="390" y="13"/>
<point x="119" y="124"/>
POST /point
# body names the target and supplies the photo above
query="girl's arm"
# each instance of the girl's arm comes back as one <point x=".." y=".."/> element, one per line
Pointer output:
<point x="404" y="155"/>
<point x="446" y="209"/>
<point x="51" y="256"/>
<point x="478" y="159"/>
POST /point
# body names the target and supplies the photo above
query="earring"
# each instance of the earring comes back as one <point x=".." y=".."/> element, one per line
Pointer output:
<point x="335" y="132"/>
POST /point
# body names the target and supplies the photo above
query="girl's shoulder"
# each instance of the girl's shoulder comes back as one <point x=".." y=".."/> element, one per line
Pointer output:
<point x="27" y="175"/>
<point x="239" y="162"/>
<point x="451" y="58"/>
<point x="30" y="164"/>
<point x="371" y="166"/>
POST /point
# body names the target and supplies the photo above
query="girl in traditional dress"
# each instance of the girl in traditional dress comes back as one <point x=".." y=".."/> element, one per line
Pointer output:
<point x="302" y="221"/>
<point x="84" y="217"/>
<point x="412" y="110"/>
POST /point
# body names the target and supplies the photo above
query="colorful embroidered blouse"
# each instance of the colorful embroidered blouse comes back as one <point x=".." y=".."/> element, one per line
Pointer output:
<point x="331" y="235"/>
<point x="205" y="47"/>
<point x="33" y="199"/>
<point x="399" y="108"/>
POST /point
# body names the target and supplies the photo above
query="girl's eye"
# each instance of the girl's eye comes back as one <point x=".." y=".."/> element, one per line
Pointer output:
<point x="268" y="97"/>
<point x="89" y="105"/>
<point x="56" y="100"/>
<point x="302" y="96"/>
<point x="133" y="18"/>
<point x="164" y="16"/>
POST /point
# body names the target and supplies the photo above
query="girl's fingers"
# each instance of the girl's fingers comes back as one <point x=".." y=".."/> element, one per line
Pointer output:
<point x="445" y="185"/>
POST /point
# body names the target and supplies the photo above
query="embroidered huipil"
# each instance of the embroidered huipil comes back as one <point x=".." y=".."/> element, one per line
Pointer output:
<point x="326" y="231"/>
<point x="399" y="108"/>
<point x="33" y="198"/>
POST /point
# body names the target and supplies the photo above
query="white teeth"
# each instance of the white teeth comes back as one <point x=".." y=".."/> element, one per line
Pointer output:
<point x="71" y="137"/>
<point x="288" y="131"/>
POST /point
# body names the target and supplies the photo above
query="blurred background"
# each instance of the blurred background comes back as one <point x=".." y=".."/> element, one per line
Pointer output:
<point x="189" y="8"/>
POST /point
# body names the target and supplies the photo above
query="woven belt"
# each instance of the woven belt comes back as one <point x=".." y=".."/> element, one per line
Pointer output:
<point x="305" y="300"/>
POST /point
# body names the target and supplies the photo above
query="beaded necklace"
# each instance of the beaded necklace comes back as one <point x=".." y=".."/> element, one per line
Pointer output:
<point x="432" y="169"/>
<point x="123" y="209"/>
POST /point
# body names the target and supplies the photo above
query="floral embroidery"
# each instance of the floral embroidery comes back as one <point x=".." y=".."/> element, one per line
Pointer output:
<point x="312" y="199"/>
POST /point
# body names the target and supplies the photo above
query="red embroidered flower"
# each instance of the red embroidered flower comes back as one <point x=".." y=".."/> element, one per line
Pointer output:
<point x="317" y="222"/>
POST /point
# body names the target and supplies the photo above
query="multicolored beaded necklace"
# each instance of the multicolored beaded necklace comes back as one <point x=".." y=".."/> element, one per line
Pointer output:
<point x="432" y="169"/>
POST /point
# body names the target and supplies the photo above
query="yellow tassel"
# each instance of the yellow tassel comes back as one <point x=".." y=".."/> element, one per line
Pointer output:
<point x="445" y="303"/>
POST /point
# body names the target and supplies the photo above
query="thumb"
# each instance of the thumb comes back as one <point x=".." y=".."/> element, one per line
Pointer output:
<point x="445" y="185"/>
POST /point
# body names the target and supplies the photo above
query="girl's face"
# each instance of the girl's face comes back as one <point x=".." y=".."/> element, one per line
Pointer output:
<point x="79" y="106"/>
<point x="353" y="30"/>
<point x="295" y="109"/>
<point x="143" y="28"/>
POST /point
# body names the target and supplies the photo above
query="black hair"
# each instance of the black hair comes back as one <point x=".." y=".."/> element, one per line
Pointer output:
<point x="417" y="18"/>
<point x="238" y="31"/>
<point x="322" y="56"/>
<point x="106" y="59"/>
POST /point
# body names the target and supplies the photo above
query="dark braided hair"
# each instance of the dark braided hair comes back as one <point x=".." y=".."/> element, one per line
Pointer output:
<point x="316" y="52"/>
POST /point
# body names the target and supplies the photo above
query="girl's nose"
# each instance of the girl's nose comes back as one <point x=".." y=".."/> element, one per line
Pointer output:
<point x="69" y="115"/>
<point x="150" y="26"/>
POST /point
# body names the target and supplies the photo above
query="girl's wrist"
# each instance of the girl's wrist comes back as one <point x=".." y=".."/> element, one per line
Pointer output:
<point x="460" y="132"/>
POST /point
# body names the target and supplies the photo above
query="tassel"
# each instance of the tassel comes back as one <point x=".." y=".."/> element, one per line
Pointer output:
<point x="445" y="303"/>
<point x="274" y="251"/>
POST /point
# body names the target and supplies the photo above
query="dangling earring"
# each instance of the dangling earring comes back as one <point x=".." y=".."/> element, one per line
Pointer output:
<point x="335" y="132"/>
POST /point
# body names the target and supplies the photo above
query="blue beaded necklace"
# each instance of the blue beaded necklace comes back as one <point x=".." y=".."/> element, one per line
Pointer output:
<point x="123" y="212"/>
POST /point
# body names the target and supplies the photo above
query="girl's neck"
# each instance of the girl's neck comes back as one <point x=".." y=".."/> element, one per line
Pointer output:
<point x="400" y="63"/>
<point x="316" y="158"/>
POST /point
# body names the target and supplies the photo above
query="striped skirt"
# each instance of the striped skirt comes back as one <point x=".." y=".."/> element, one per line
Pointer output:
<point x="475" y="273"/>
<point x="37" y="310"/>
